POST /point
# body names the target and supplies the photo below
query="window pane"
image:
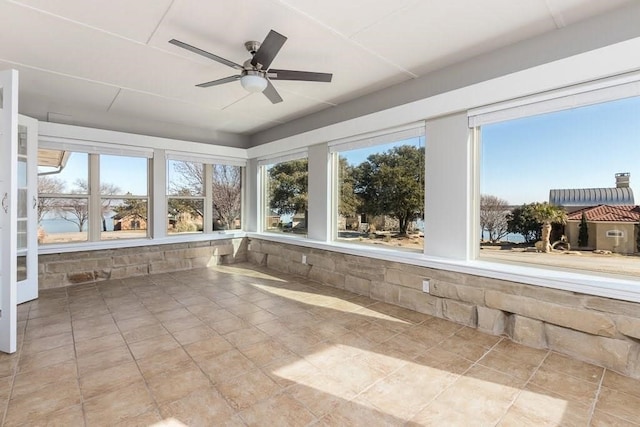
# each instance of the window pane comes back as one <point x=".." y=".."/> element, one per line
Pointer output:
<point x="65" y="220"/>
<point x="185" y="178"/>
<point x="381" y="195"/>
<point x="185" y="215"/>
<point x="62" y="217"/>
<point x="124" y="219"/>
<point x="226" y="196"/>
<point x="553" y="168"/>
<point x="121" y="175"/>
<point x="66" y="172"/>
<point x="286" y="198"/>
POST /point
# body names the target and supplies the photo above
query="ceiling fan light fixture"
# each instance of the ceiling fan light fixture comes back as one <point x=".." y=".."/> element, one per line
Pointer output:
<point x="253" y="82"/>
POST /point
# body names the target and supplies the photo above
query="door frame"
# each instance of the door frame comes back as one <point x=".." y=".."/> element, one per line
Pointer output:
<point x="27" y="289"/>
<point x="8" y="210"/>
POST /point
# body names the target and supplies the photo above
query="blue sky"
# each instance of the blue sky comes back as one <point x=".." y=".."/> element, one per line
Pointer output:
<point x="580" y="148"/>
<point x="128" y="173"/>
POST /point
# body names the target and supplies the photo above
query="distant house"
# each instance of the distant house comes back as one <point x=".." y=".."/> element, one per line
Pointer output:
<point x="573" y="199"/>
<point x="611" y="228"/>
<point x="128" y="222"/>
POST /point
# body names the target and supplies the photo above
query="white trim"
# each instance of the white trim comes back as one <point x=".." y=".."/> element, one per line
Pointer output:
<point x="203" y="158"/>
<point x="594" y="64"/>
<point x="595" y="92"/>
<point x="93" y="147"/>
<point x="412" y="130"/>
<point x="84" y="134"/>
<point x="622" y="289"/>
<point x="131" y="243"/>
<point x="283" y="157"/>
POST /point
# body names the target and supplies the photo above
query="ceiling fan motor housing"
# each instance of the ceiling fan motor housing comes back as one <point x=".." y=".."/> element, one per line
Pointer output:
<point x="252" y="46"/>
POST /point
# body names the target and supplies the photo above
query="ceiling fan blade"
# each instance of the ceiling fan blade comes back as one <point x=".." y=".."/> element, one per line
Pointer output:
<point x="206" y="54"/>
<point x="268" y="50"/>
<point x="271" y="93"/>
<point x="307" y="76"/>
<point x="219" y="81"/>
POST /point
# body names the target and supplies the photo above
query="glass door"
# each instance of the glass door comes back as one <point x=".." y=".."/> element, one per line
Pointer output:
<point x="8" y="208"/>
<point x="27" y="236"/>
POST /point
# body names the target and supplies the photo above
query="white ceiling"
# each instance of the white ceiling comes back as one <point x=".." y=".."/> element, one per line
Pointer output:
<point x="108" y="63"/>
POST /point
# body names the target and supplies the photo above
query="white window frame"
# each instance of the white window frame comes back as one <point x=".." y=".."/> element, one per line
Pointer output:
<point x="263" y="197"/>
<point x="372" y="139"/>
<point x="97" y="141"/>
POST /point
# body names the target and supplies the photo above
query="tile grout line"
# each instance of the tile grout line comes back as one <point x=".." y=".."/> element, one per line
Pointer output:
<point x="211" y="382"/>
<point x="521" y="389"/>
<point x="592" y="409"/>
<point x="157" y="408"/>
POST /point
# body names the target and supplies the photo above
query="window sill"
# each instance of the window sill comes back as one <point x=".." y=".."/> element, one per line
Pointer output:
<point x="130" y="243"/>
<point x="590" y="284"/>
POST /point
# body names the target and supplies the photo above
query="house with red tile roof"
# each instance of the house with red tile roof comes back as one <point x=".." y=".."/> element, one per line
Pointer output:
<point x="612" y="228"/>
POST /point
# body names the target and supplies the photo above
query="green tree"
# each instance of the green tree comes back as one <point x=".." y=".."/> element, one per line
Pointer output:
<point x="288" y="187"/>
<point x="392" y="183"/>
<point x="548" y="214"/>
<point x="583" y="233"/>
<point x="533" y="221"/>
<point x="349" y="201"/>
<point x="522" y="221"/>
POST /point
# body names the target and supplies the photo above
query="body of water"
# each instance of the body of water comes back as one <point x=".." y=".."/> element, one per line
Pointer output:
<point x="59" y="225"/>
<point x="511" y="237"/>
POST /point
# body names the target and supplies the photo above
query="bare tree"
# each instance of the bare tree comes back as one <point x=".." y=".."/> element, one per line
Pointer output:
<point x="493" y="216"/>
<point x="76" y="210"/>
<point x="190" y="177"/>
<point x="226" y="193"/>
<point x="107" y="189"/>
<point x="48" y="185"/>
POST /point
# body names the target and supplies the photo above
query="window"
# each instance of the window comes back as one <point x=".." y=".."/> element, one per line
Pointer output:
<point x="380" y="191"/>
<point x="123" y="197"/>
<point x="63" y="196"/>
<point x="203" y="196"/>
<point x="90" y="196"/>
<point x="226" y="195"/>
<point x="185" y="196"/>
<point x="574" y="170"/>
<point x="286" y="196"/>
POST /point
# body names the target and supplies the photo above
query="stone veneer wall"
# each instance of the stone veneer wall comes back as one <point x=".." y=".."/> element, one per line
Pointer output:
<point x="594" y="329"/>
<point x="71" y="268"/>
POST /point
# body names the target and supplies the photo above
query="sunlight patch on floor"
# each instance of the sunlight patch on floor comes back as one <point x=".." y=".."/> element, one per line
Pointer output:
<point x="246" y="272"/>
<point x="378" y="383"/>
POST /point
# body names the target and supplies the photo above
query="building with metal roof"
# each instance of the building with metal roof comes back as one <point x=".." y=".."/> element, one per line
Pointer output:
<point x="576" y="198"/>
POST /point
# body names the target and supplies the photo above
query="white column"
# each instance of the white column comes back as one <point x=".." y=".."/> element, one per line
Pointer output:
<point x="252" y="200"/>
<point x="158" y="193"/>
<point x="319" y="194"/>
<point x="449" y="188"/>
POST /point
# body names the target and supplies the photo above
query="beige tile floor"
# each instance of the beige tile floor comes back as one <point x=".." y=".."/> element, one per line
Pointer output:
<point x="239" y="345"/>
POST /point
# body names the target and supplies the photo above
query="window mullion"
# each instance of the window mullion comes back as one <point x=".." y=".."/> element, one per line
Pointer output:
<point x="159" y="196"/>
<point x="95" y="205"/>
<point x="207" y="226"/>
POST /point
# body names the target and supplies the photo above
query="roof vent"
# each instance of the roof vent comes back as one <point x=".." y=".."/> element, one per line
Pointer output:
<point x="622" y="180"/>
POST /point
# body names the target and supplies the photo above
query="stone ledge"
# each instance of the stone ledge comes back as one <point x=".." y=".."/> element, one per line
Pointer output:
<point x="570" y="317"/>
